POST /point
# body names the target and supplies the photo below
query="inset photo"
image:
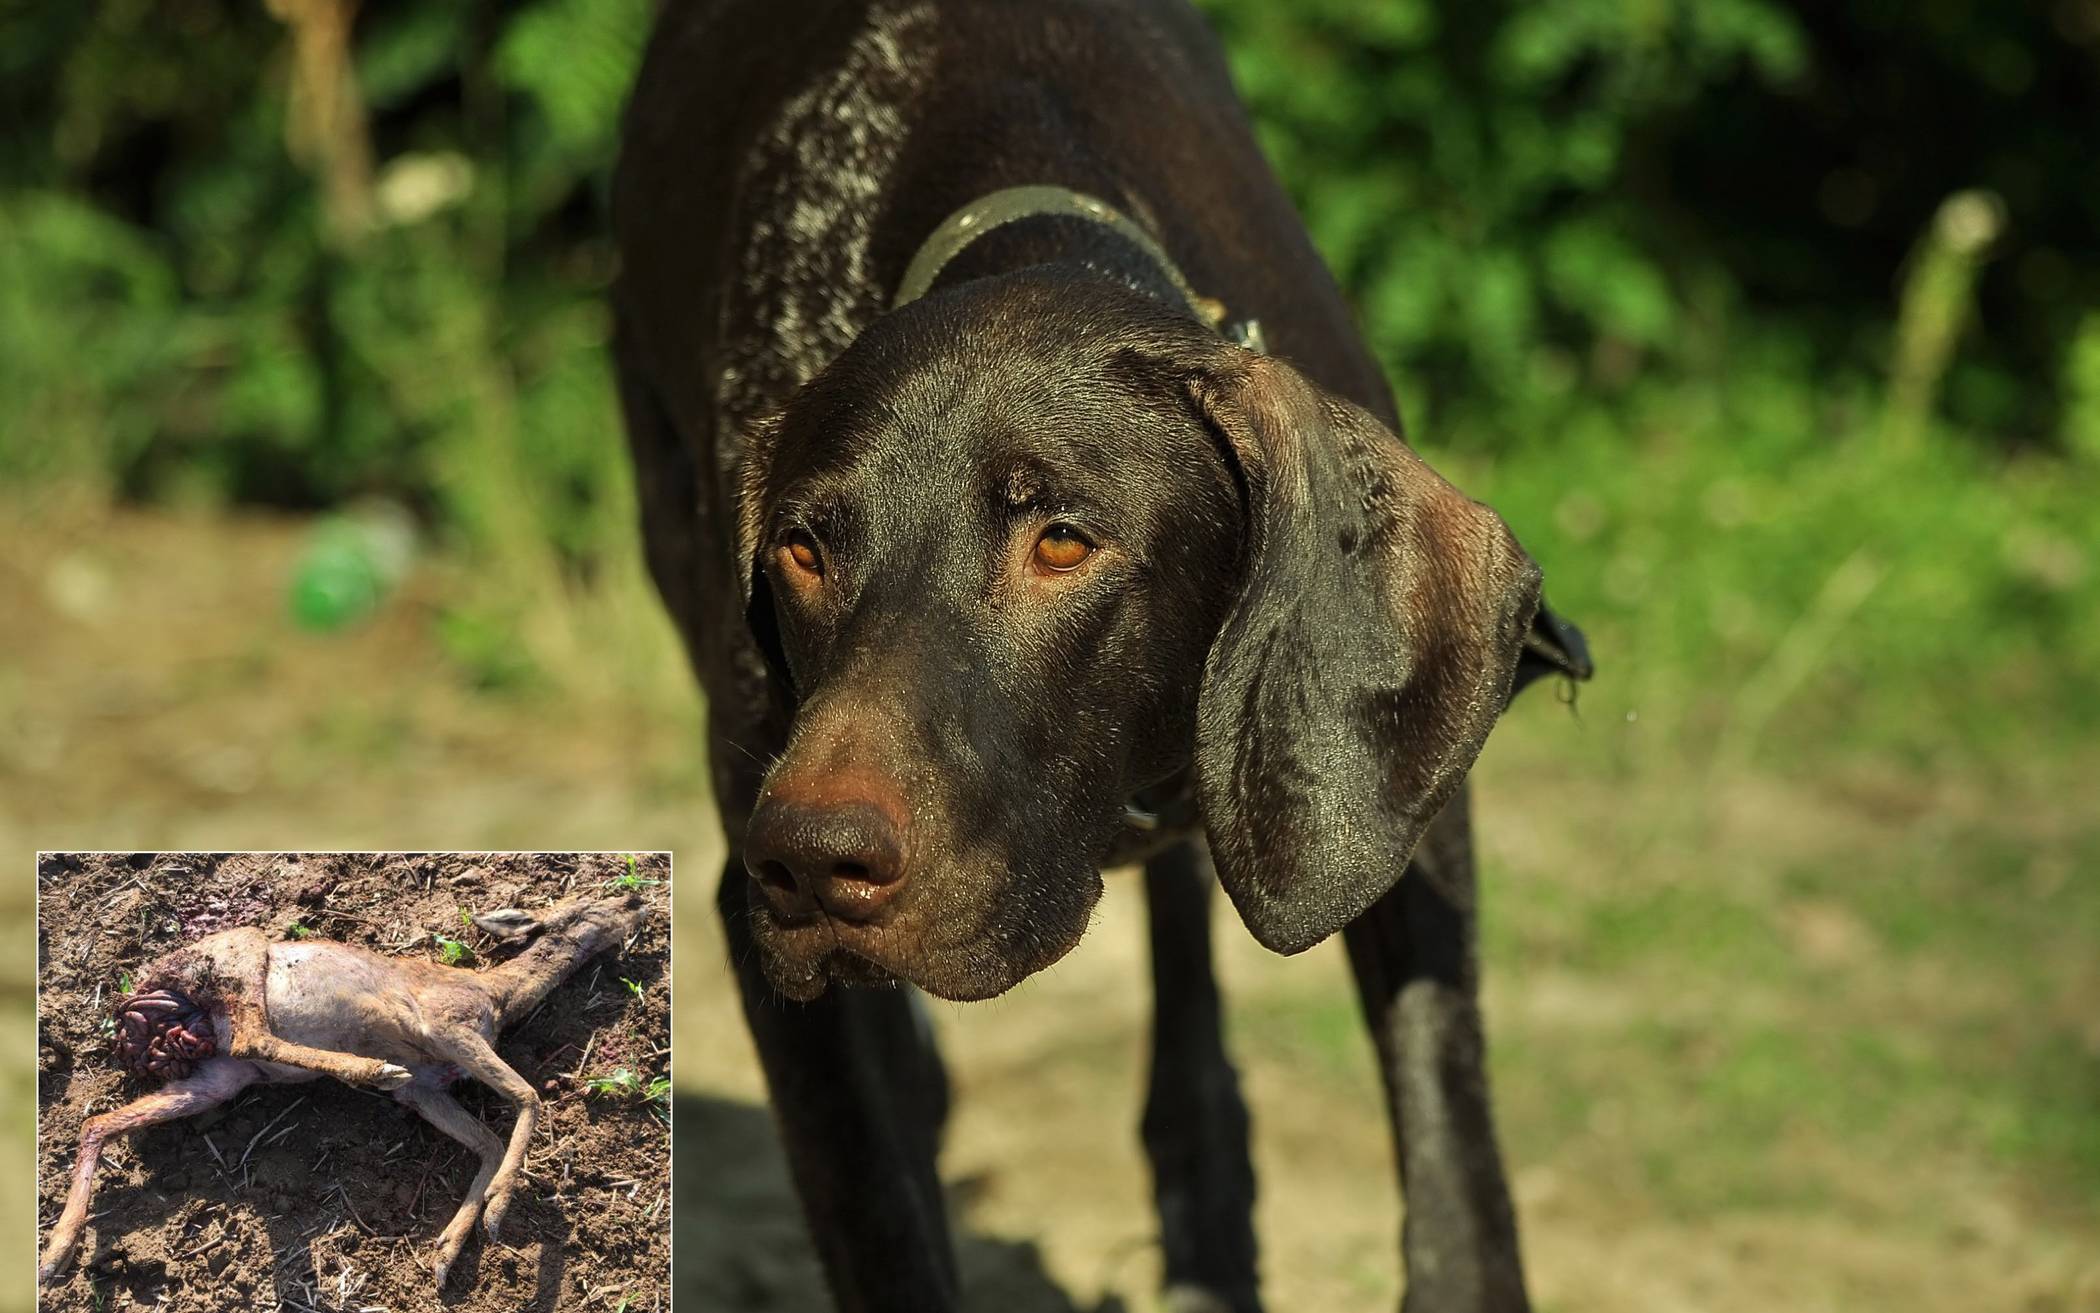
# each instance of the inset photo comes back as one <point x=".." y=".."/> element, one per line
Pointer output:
<point x="354" y="1081"/>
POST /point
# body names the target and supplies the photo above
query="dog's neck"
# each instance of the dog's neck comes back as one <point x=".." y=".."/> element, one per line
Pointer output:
<point x="1020" y="227"/>
<point x="1014" y="205"/>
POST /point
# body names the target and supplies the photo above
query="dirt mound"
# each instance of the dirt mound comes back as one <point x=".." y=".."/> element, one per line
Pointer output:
<point x="320" y="1196"/>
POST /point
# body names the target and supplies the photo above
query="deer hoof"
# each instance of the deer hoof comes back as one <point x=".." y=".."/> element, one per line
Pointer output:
<point x="57" y="1255"/>
<point x="391" y="1077"/>
<point x="449" y="1246"/>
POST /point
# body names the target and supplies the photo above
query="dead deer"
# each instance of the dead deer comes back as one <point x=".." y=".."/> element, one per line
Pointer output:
<point x="235" y="1008"/>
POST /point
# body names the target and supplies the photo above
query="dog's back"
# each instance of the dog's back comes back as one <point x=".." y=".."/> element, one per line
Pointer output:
<point x="783" y="161"/>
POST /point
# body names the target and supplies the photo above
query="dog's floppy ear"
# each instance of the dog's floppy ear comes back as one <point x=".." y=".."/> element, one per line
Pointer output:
<point x="1369" y="652"/>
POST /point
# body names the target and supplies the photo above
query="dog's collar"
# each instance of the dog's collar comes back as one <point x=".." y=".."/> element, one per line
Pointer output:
<point x="1012" y="204"/>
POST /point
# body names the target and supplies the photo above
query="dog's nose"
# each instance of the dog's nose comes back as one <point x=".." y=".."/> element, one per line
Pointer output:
<point x="845" y="857"/>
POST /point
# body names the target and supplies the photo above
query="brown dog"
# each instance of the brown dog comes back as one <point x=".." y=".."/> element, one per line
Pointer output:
<point x="952" y="338"/>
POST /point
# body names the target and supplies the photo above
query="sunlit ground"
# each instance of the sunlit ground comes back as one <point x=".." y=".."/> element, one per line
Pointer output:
<point x="1807" y="1035"/>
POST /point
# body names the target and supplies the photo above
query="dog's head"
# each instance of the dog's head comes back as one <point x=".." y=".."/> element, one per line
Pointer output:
<point x="1034" y="544"/>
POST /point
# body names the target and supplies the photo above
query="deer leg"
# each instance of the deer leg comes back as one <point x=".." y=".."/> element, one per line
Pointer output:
<point x="443" y="1111"/>
<point x="250" y="1038"/>
<point x="472" y="1054"/>
<point x="212" y="1083"/>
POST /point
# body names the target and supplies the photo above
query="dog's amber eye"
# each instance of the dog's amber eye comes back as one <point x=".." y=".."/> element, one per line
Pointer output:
<point x="802" y="550"/>
<point x="1061" y="548"/>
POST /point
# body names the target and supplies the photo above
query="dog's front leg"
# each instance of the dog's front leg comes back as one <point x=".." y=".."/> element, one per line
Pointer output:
<point x="1195" y="1126"/>
<point x="859" y="1096"/>
<point x="1416" y="974"/>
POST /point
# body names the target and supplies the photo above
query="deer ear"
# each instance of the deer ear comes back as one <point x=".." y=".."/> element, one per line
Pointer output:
<point x="1367" y="655"/>
<point x="508" y="923"/>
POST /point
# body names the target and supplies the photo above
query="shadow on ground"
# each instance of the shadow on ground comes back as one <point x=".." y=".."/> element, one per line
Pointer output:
<point x="740" y="1246"/>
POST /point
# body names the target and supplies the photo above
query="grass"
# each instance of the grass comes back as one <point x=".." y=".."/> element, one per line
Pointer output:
<point x="1821" y="972"/>
<point x="456" y="952"/>
<point x="631" y="880"/>
<point x="1818" y="981"/>
<point x="625" y="1084"/>
<point x="1895" y="998"/>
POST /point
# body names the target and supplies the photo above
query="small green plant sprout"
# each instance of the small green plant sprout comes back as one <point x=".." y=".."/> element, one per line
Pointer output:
<point x="634" y="987"/>
<point x="452" y="951"/>
<point x="124" y="988"/>
<point x="299" y="930"/>
<point x="632" y="879"/>
<point x="624" y="1082"/>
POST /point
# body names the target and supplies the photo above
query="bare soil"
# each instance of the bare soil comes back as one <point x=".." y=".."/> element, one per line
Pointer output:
<point x="1833" y="1047"/>
<point x="321" y="1196"/>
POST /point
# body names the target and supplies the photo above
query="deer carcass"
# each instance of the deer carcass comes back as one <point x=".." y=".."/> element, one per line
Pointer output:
<point x="235" y="1009"/>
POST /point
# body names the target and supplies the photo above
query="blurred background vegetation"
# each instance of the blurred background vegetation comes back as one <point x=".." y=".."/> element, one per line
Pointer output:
<point x="1751" y="315"/>
<point x="1773" y="328"/>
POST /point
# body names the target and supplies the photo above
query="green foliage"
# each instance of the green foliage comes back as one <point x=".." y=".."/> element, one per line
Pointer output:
<point x="631" y="879"/>
<point x="2081" y="387"/>
<point x="1636" y="266"/>
<point x="1530" y="200"/>
<point x="483" y="645"/>
<point x="1466" y="169"/>
<point x="177" y="326"/>
<point x="572" y="61"/>
<point x="624" y="1082"/>
<point x="1936" y="600"/>
<point x="452" y="952"/>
